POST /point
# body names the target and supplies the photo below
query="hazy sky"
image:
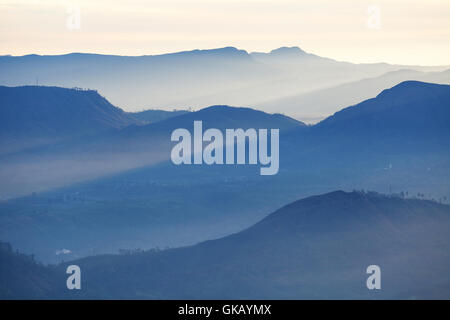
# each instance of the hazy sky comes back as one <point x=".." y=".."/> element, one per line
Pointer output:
<point x="395" y="31"/>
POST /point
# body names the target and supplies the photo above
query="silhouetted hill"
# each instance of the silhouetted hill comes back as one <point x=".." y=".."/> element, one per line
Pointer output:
<point x="316" y="105"/>
<point x="36" y="114"/>
<point x="21" y="277"/>
<point x="416" y="107"/>
<point x="407" y="116"/>
<point x="120" y="150"/>
<point x="318" y="247"/>
<point x="411" y="117"/>
<point x="221" y="117"/>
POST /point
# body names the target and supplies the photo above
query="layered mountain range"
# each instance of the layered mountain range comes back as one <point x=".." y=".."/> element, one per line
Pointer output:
<point x="100" y="191"/>
<point x="286" y="80"/>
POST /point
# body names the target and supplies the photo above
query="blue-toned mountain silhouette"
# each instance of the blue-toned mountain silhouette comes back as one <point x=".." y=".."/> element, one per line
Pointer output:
<point x="411" y="107"/>
<point x="318" y="247"/>
<point x="197" y="78"/>
<point x="31" y="115"/>
<point x="316" y="105"/>
<point x="106" y="151"/>
<point x="412" y="116"/>
<point x="395" y="142"/>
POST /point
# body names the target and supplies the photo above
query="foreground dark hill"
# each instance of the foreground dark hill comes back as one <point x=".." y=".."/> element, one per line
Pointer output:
<point x="318" y="247"/>
<point x="33" y="115"/>
<point x="22" y="277"/>
<point x="315" y="248"/>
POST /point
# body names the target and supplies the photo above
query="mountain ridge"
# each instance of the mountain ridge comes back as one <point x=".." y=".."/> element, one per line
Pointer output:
<point x="40" y="113"/>
<point x="174" y="80"/>
<point x="317" y="247"/>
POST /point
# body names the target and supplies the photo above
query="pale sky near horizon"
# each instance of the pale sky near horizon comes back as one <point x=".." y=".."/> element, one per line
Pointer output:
<point x="394" y="31"/>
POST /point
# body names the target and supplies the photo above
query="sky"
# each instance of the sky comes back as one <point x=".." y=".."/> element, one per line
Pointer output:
<point x="394" y="31"/>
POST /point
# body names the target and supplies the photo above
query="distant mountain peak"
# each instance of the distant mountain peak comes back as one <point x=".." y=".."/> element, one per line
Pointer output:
<point x="222" y="107"/>
<point x="288" y="51"/>
<point x="245" y="111"/>
<point x="410" y="87"/>
<point x="414" y="83"/>
<point x="228" y="117"/>
<point x="228" y="49"/>
<point x="405" y="107"/>
<point x="225" y="51"/>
